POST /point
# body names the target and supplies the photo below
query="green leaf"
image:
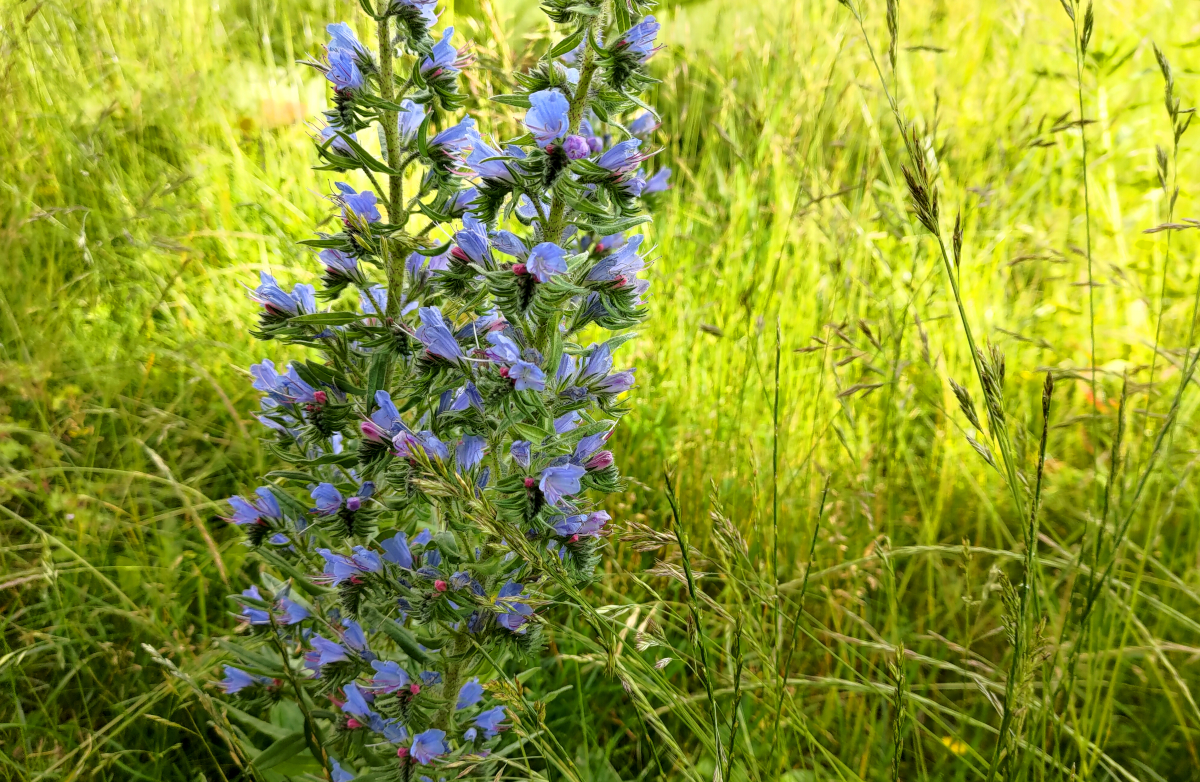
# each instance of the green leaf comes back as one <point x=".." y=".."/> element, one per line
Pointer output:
<point x="401" y="635"/>
<point x="531" y="433"/>
<point x="518" y="101"/>
<point x="568" y="43"/>
<point x="430" y="252"/>
<point x="330" y="241"/>
<point x="326" y="318"/>
<point x="283" y="749"/>
<point x="378" y="372"/>
<point x="423" y="136"/>
<point x="274" y="731"/>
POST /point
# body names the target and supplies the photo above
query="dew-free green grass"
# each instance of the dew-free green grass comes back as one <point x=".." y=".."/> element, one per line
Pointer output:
<point x="794" y="381"/>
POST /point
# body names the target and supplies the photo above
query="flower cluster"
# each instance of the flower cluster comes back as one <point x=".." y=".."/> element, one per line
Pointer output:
<point x="444" y="447"/>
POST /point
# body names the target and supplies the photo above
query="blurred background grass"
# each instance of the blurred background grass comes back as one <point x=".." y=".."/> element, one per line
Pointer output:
<point x="156" y="158"/>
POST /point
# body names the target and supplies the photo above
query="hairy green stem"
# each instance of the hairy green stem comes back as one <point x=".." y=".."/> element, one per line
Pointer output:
<point x="578" y="104"/>
<point x="394" y="202"/>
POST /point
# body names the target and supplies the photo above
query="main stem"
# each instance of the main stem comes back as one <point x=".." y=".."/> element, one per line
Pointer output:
<point x="579" y="102"/>
<point x="394" y="203"/>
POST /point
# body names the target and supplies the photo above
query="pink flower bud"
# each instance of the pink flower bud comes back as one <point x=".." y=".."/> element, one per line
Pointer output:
<point x="600" y="461"/>
<point x="440" y="585"/>
<point x="402" y="752"/>
<point x="519" y="269"/>
<point x="503" y="371"/>
<point x="353" y="723"/>
<point x="414" y="688"/>
<point x="529" y="482"/>
<point x="321" y="397"/>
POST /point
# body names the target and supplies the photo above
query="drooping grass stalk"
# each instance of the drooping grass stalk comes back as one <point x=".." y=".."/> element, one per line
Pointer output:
<point x="787" y="663"/>
<point x="695" y="629"/>
<point x="735" y="709"/>
<point x="1178" y="128"/>
<point x="775" y="629"/>
<point x="990" y="373"/>
<point x="1081" y="40"/>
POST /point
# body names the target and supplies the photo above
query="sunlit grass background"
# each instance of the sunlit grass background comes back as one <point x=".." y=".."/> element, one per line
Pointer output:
<point x="155" y="157"/>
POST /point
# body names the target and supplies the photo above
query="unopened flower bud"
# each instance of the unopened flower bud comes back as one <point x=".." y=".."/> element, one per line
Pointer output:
<point x="321" y="397"/>
<point x="576" y="147"/>
<point x="529" y="483"/>
<point x="600" y="461"/>
<point x="440" y="585"/>
<point x="353" y="503"/>
<point x="519" y="269"/>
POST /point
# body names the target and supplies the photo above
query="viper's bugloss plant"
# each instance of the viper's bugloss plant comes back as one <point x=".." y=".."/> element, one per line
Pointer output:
<point x="442" y="449"/>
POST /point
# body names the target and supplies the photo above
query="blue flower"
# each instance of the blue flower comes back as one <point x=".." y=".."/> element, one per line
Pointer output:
<point x="490" y="721"/>
<point x="386" y="420"/>
<point x="469" y="452"/>
<point x="355" y="703"/>
<point x="560" y="481"/>
<point x="566" y="422"/>
<point x="338" y="263"/>
<point x="633" y="185"/>
<point x="644" y="125"/>
<point x="546" y="260"/>
<point x="503" y="350"/>
<point x="327" y="498"/>
<point x="599" y="362"/>
<point x="284" y="389"/>
<point x="302" y="300"/>
<point x="520" y="452"/>
<point x="428" y="745"/>
<point x="469" y="734"/>
<point x="354" y="637"/>
<point x="339" y="774"/>
<point x="639" y="39"/>
<point x="423" y="8"/>
<point x="339" y="568"/>
<point x="616" y="383"/>
<point x="343" y="72"/>
<point x="373" y="300"/>
<point x="389" y="676"/>
<point x="589" y="445"/>
<point x="659" y="182"/>
<point x="456" y="142"/>
<point x="409" y="120"/>
<point x="527" y="376"/>
<point x="361" y="204"/>
<point x="293" y="612"/>
<point x="511" y="615"/>
<point x="444" y="59"/>
<point x="265" y="507"/>
<point x="255" y="616"/>
<point x="395" y="550"/>
<point x="484" y="164"/>
<point x="471" y="243"/>
<point x="336" y="138"/>
<point x="328" y="652"/>
<point x="342" y="38"/>
<point x="470" y="694"/>
<point x="547" y="117"/>
<point x="436" y="336"/>
<point x="509" y="244"/>
<point x="622" y="263"/>
<point x="623" y="158"/>
<point x="236" y="680"/>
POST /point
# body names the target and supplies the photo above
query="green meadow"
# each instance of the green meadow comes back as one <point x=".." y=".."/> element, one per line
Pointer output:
<point x="891" y="582"/>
